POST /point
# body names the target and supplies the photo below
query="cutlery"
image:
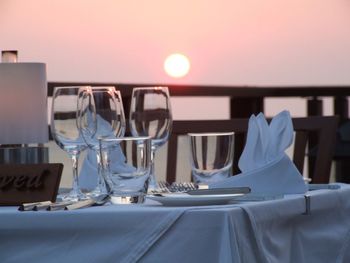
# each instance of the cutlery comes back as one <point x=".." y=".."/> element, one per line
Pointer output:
<point x="80" y="204"/>
<point x="193" y="189"/>
<point x="42" y="206"/>
<point x="220" y="191"/>
<point x="323" y="186"/>
<point x="256" y="198"/>
<point x="34" y="206"/>
<point x="96" y="201"/>
<point x="165" y="187"/>
<point x="59" y="205"/>
<point x="213" y="191"/>
<point x="65" y="205"/>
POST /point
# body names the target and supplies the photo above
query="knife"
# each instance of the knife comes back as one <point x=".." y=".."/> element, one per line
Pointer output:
<point x="220" y="191"/>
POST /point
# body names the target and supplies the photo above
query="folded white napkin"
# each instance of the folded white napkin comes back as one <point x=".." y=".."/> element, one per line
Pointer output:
<point x="265" y="167"/>
<point x="89" y="174"/>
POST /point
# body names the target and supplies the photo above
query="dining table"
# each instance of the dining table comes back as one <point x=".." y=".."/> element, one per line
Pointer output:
<point x="310" y="227"/>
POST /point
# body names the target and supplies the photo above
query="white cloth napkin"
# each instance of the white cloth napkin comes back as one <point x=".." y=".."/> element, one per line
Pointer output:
<point x="265" y="167"/>
<point x="89" y="174"/>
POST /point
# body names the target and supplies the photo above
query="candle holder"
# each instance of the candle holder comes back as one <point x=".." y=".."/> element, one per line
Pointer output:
<point x="23" y="110"/>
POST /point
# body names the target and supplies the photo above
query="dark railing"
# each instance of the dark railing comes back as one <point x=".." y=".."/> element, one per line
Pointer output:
<point x="245" y="100"/>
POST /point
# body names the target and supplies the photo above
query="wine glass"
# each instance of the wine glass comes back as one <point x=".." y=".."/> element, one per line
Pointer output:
<point x="102" y="117"/>
<point x="150" y="115"/>
<point x="65" y="132"/>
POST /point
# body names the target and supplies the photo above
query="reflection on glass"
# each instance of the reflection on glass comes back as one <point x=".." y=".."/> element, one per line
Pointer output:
<point x="103" y="117"/>
<point x="211" y="156"/>
<point x="65" y="132"/>
<point x="150" y="115"/>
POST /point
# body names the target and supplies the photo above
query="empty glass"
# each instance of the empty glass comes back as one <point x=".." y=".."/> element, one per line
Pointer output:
<point x="211" y="156"/>
<point x="126" y="167"/>
<point x="103" y="117"/>
<point x="65" y="132"/>
<point x="150" y="115"/>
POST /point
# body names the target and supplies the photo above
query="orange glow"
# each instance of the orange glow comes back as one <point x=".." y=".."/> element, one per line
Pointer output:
<point x="177" y="65"/>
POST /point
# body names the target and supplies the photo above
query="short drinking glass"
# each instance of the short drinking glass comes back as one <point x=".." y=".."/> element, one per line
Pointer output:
<point x="126" y="167"/>
<point x="211" y="156"/>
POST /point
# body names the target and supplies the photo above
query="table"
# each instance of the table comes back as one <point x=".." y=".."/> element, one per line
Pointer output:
<point x="265" y="231"/>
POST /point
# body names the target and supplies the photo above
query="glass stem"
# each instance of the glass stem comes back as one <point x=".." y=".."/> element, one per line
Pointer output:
<point x="152" y="177"/>
<point x="75" y="184"/>
<point x="100" y="180"/>
<point x="105" y="169"/>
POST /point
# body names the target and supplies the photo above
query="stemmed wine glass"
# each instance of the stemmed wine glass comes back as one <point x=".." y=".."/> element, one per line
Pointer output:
<point x="65" y="132"/>
<point x="103" y="117"/>
<point x="150" y="115"/>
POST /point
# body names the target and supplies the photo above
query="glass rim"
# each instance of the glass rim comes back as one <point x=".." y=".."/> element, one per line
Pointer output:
<point x="129" y="138"/>
<point x="150" y="87"/>
<point x="103" y="87"/>
<point x="100" y="89"/>
<point x="210" y="134"/>
<point x="71" y="87"/>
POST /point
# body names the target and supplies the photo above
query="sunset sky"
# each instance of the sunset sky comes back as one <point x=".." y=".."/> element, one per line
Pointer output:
<point x="229" y="42"/>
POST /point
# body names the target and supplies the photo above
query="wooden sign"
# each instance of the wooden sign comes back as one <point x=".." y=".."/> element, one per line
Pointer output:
<point x="27" y="183"/>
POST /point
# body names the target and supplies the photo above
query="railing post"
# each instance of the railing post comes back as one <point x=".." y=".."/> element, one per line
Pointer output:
<point x="341" y="108"/>
<point x="314" y="108"/>
<point x="244" y="107"/>
<point x="342" y="165"/>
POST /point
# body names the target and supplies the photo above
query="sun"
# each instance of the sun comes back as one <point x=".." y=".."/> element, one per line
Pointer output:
<point x="177" y="65"/>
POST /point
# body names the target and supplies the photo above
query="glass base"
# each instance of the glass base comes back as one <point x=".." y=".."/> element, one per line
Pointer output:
<point x="73" y="196"/>
<point x="139" y="199"/>
<point x="152" y="184"/>
<point x="96" y="193"/>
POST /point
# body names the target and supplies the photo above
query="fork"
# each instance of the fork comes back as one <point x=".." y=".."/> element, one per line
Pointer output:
<point x="183" y="187"/>
<point x="165" y="187"/>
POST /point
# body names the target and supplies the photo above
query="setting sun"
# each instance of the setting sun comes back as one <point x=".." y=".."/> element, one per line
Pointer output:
<point x="177" y="65"/>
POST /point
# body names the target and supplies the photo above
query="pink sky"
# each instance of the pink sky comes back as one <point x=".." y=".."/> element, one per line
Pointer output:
<point x="228" y="42"/>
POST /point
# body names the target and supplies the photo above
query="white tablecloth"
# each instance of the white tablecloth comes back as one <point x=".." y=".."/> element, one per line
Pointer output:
<point x="266" y="231"/>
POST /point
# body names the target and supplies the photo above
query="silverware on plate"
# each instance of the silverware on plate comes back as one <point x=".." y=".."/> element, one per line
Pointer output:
<point x="192" y="189"/>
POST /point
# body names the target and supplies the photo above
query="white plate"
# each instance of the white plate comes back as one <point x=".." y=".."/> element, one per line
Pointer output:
<point x="178" y="199"/>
